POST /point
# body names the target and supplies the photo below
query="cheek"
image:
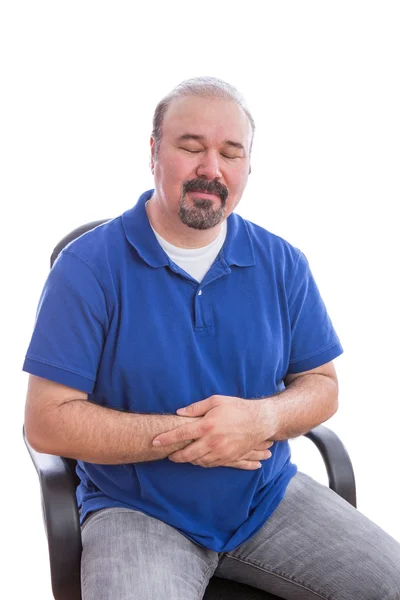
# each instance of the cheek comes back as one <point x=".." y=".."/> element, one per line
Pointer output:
<point x="177" y="171"/>
<point x="237" y="182"/>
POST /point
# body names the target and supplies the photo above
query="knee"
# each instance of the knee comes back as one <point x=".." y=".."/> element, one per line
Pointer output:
<point x="385" y="587"/>
<point x="381" y="581"/>
<point x="392" y="589"/>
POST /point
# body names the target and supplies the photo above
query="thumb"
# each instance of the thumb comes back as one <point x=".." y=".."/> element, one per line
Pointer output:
<point x="197" y="409"/>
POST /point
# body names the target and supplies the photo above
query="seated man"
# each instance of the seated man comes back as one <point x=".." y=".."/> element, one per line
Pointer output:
<point x="176" y="350"/>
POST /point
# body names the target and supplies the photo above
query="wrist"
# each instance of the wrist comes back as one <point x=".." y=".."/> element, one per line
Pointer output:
<point x="270" y="418"/>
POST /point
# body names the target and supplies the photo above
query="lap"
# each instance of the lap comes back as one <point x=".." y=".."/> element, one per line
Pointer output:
<point x="316" y="545"/>
<point x="127" y="555"/>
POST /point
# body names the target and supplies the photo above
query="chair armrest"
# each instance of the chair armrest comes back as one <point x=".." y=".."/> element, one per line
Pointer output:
<point x="337" y="462"/>
<point x="61" y="519"/>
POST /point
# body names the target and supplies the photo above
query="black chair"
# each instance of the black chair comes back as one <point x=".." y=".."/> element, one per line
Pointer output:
<point x="58" y="482"/>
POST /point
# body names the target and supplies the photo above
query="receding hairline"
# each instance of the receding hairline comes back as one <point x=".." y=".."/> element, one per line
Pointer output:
<point x="203" y="87"/>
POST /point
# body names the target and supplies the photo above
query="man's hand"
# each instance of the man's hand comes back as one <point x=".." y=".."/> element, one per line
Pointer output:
<point x="251" y="461"/>
<point x="231" y="429"/>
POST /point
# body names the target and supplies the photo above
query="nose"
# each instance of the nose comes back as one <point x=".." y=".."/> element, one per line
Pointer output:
<point x="209" y="166"/>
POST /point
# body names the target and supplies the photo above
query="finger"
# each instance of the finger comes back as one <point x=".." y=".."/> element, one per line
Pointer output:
<point x="257" y="455"/>
<point x="197" y="409"/>
<point x="201" y="454"/>
<point x="194" y="452"/>
<point x="264" y="445"/>
<point x="209" y="460"/>
<point x="245" y="465"/>
<point x="179" y="434"/>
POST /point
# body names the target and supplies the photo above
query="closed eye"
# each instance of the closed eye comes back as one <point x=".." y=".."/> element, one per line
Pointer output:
<point x="198" y="151"/>
<point x="191" y="151"/>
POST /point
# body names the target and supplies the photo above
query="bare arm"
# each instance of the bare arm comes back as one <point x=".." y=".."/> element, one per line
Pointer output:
<point x="309" y="399"/>
<point x="231" y="426"/>
<point x="60" y="420"/>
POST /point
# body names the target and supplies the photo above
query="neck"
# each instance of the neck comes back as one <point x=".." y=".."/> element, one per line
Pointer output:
<point x="170" y="227"/>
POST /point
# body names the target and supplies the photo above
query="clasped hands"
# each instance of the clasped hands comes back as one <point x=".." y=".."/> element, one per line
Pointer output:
<point x="223" y="431"/>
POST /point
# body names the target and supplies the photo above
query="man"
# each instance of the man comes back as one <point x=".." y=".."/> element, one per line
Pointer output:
<point x="177" y="348"/>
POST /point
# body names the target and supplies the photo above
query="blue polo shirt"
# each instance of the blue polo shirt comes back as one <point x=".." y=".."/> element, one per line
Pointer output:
<point x="119" y="320"/>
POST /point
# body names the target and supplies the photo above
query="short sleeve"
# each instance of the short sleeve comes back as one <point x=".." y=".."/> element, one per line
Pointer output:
<point x="314" y="341"/>
<point x="70" y="327"/>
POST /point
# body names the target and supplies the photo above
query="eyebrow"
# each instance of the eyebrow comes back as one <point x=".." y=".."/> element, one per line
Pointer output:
<point x="201" y="138"/>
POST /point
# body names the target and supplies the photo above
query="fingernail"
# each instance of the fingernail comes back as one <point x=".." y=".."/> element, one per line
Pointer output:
<point x="156" y="443"/>
<point x="181" y="410"/>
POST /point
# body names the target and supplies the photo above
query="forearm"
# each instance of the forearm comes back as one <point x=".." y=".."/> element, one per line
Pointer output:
<point x="86" y="431"/>
<point x="305" y="403"/>
<point x="230" y="427"/>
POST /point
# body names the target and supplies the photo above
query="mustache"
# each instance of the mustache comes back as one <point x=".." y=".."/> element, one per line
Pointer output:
<point x="207" y="187"/>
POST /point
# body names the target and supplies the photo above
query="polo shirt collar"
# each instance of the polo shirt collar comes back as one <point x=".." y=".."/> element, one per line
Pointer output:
<point x="237" y="249"/>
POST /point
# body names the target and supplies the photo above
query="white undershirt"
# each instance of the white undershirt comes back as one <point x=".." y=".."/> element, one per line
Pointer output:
<point x="195" y="261"/>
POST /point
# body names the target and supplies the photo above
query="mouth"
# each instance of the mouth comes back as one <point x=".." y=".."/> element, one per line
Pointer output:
<point x="205" y="193"/>
<point x="203" y="196"/>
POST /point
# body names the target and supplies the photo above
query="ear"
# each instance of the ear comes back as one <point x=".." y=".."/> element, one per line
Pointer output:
<point x="152" y="155"/>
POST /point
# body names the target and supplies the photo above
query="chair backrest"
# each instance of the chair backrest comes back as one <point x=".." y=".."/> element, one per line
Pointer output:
<point x="71" y="462"/>
<point x="73" y="235"/>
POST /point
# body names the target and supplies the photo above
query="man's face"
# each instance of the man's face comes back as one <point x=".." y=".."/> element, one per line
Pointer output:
<point x="203" y="162"/>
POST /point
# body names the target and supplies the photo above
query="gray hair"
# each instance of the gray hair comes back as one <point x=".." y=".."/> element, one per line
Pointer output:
<point x="206" y="87"/>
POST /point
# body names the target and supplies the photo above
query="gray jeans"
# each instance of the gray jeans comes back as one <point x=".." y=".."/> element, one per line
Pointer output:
<point x="314" y="545"/>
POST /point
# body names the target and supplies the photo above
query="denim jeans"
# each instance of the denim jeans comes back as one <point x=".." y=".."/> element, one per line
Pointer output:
<point x="314" y="545"/>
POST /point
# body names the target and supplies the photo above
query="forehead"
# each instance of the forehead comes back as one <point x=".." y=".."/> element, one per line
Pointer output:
<point x="214" y="118"/>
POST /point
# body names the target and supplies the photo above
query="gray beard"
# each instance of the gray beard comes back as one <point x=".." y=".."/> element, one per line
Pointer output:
<point x="201" y="215"/>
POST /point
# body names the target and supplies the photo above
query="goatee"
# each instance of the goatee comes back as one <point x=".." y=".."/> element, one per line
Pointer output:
<point x="201" y="214"/>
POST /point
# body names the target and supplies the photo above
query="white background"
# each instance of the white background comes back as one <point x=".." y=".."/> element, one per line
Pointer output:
<point x="80" y="81"/>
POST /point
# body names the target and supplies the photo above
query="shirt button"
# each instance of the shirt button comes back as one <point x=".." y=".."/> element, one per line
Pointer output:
<point x="200" y="293"/>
